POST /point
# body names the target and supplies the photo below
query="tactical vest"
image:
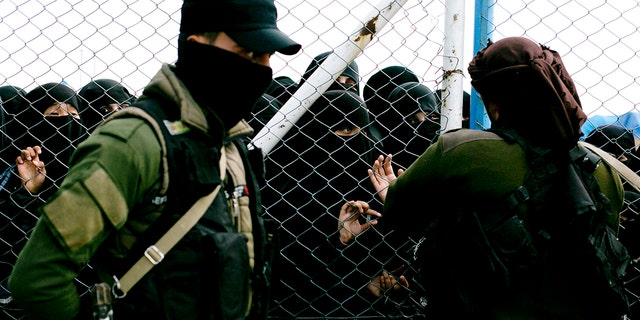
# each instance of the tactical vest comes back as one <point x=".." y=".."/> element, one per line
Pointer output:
<point x="221" y="269"/>
<point x="547" y="250"/>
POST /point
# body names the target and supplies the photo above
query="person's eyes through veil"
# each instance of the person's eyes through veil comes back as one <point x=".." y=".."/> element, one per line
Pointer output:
<point x="346" y="130"/>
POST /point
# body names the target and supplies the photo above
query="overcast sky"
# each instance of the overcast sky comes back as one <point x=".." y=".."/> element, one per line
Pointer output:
<point x="51" y="40"/>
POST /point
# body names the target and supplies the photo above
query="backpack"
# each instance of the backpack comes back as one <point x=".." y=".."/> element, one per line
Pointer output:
<point x="548" y="250"/>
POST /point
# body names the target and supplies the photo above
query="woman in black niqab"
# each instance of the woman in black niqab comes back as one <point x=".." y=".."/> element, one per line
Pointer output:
<point x="411" y="123"/>
<point x="58" y="133"/>
<point x="319" y="165"/>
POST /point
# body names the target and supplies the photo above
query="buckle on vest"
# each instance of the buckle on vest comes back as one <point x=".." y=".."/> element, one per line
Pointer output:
<point x="154" y="254"/>
<point x="517" y="196"/>
<point x="522" y="194"/>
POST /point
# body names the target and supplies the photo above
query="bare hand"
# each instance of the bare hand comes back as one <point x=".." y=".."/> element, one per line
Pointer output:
<point x="31" y="169"/>
<point x="387" y="281"/>
<point x="381" y="174"/>
<point x="349" y="224"/>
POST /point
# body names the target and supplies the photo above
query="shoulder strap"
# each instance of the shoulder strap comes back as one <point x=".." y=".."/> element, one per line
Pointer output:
<point x="155" y="253"/>
<point x="544" y="166"/>
<point x="540" y="169"/>
<point x="137" y="111"/>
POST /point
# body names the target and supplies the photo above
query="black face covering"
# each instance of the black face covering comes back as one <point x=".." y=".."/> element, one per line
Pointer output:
<point x="404" y="140"/>
<point x="240" y="83"/>
<point x="425" y="134"/>
<point x="315" y="156"/>
<point x="408" y="141"/>
<point x="57" y="134"/>
<point x="58" y="137"/>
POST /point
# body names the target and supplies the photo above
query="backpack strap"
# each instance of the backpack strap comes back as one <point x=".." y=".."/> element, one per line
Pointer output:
<point x="155" y="253"/>
<point x="145" y="115"/>
<point x="541" y="168"/>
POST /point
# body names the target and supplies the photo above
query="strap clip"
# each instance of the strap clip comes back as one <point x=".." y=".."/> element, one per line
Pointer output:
<point x="154" y="255"/>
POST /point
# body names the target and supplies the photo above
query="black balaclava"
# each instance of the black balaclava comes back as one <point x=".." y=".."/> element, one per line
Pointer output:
<point x="230" y="99"/>
<point x="404" y="140"/>
<point x="13" y="99"/>
<point x="58" y="136"/>
<point x="99" y="93"/>
<point x="351" y="71"/>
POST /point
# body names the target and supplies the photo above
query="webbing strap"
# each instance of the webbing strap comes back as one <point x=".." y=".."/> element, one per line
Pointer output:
<point x="631" y="177"/>
<point x="155" y="253"/>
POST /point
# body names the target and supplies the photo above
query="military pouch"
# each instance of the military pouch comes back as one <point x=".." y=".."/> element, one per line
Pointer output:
<point x="227" y="271"/>
<point x="263" y="276"/>
<point x="612" y="262"/>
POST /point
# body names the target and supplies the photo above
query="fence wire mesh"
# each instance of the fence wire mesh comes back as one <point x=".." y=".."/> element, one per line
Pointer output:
<point x="309" y="174"/>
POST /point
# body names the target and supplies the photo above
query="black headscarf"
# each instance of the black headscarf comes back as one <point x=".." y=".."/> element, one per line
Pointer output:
<point x="377" y="90"/>
<point x="350" y="71"/>
<point x="99" y="93"/>
<point x="405" y="140"/>
<point x="13" y="101"/>
<point x="316" y="164"/>
<point x="57" y="135"/>
<point x="381" y="83"/>
<point x="317" y="170"/>
<point x="282" y="88"/>
<point x="314" y="144"/>
<point x="533" y="90"/>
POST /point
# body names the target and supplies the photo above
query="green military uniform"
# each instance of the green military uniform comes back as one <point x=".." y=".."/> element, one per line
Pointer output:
<point x="115" y="175"/>
<point x="453" y="195"/>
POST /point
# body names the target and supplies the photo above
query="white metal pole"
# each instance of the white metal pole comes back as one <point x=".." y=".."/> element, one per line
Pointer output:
<point x="326" y="73"/>
<point x="452" y="86"/>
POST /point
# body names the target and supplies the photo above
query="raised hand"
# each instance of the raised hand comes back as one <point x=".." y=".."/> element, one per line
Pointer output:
<point x="381" y="174"/>
<point x="31" y="169"/>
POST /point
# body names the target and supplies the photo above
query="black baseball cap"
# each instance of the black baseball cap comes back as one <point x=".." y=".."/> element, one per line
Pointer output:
<point x="250" y="23"/>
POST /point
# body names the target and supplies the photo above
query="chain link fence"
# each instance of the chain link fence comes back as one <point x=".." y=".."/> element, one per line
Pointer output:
<point x="75" y="42"/>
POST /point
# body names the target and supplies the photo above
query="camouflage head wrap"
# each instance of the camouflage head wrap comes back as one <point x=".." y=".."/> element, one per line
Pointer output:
<point x="499" y="63"/>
